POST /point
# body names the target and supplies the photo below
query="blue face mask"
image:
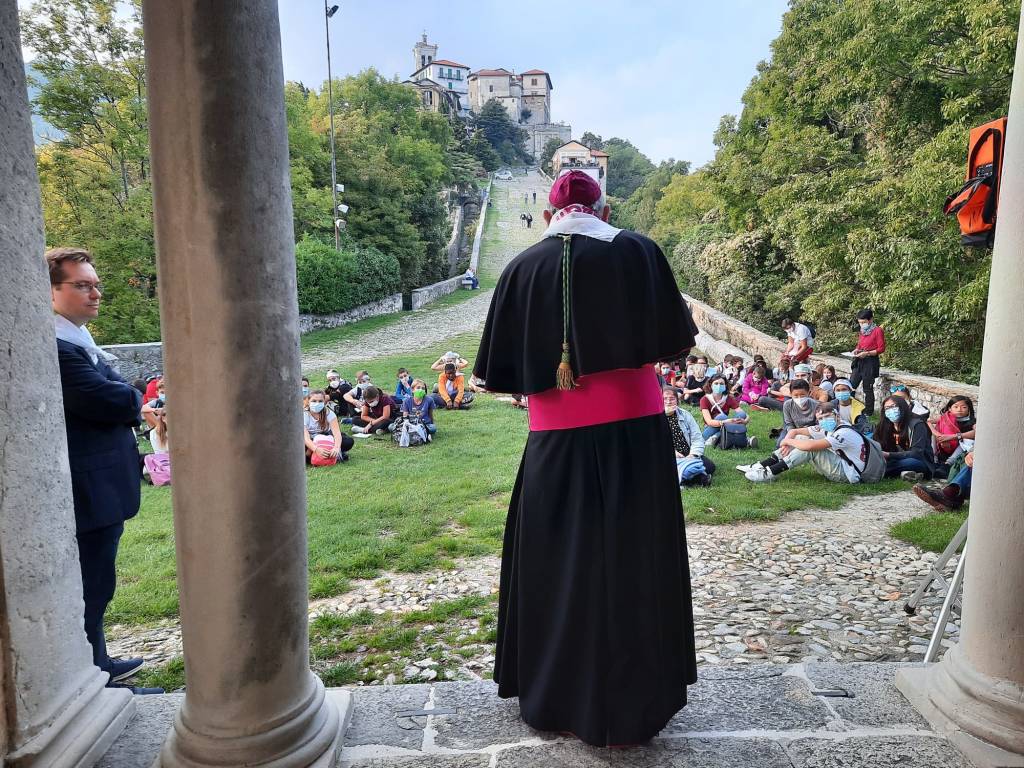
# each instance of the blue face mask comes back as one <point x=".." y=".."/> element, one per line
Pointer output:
<point x="718" y="389"/>
<point x="892" y="414"/>
<point x="316" y="406"/>
<point x="828" y="425"/>
<point x="305" y="391"/>
<point x="843" y="397"/>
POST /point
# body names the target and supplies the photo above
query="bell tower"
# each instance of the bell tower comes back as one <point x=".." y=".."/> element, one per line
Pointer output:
<point x="423" y="53"/>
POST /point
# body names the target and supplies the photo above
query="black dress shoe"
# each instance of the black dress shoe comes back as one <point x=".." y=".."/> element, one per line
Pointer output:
<point x="121" y="669"/>
<point x="136" y="690"/>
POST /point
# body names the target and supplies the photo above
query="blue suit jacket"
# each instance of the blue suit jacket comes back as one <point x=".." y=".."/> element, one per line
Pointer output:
<point x="100" y="409"/>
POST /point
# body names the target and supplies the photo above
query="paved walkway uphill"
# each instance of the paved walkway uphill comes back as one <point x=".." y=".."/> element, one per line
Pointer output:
<point x="432" y="325"/>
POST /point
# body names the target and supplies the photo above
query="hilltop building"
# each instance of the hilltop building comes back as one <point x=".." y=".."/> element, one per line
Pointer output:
<point x="575" y="156"/>
<point x="450" y="87"/>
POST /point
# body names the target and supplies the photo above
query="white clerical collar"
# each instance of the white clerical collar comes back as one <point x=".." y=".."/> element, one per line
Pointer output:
<point x="584" y="224"/>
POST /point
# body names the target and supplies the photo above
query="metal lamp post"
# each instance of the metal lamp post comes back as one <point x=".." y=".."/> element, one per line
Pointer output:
<point x="328" y="13"/>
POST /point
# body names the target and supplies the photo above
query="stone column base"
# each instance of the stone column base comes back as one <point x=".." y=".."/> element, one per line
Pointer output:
<point x="328" y="722"/>
<point x="982" y="716"/>
<point x="87" y="728"/>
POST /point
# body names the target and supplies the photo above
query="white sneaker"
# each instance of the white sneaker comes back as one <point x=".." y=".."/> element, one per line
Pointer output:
<point x="357" y="430"/>
<point x="361" y="434"/>
<point x="752" y="443"/>
<point x="712" y="441"/>
<point x="744" y="468"/>
<point x="759" y="474"/>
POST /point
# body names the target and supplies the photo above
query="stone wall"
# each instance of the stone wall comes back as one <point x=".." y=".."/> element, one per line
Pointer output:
<point x="454" y="247"/>
<point x="429" y="293"/>
<point x="136" y="361"/>
<point x="474" y="258"/>
<point x="722" y="334"/>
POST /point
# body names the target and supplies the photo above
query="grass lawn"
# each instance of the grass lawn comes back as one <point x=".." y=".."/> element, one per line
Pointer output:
<point x="412" y="510"/>
<point x="930" y="532"/>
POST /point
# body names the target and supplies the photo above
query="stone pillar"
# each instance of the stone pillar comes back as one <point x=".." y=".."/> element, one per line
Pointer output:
<point x="56" y="710"/>
<point x="229" y="312"/>
<point x="979" y="686"/>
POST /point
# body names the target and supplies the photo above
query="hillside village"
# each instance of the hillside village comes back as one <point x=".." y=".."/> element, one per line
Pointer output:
<point x="453" y="88"/>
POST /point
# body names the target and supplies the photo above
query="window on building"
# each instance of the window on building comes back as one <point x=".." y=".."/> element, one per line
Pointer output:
<point x="451" y="85"/>
<point x="533" y="81"/>
<point x="423" y="61"/>
<point x="490" y="88"/>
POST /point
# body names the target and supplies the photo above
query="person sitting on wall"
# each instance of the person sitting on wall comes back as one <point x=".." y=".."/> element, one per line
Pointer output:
<point x="906" y="441"/>
<point x="693" y="390"/>
<point x="918" y="409"/>
<point x="954" y="429"/>
<point x="376" y="415"/>
<point x="835" y="450"/>
<point x="470" y="275"/>
<point x="451" y="389"/>
<point x="421" y="406"/>
<point x="755" y="385"/>
<point x="800" y="344"/>
<point x="692" y="466"/>
<point x="722" y="428"/>
<point x="318" y="424"/>
<point x="866" y="365"/>
<point x="955" y="492"/>
<point x="800" y="410"/>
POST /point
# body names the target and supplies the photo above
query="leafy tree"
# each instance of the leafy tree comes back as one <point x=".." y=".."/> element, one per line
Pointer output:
<point x="638" y="212"/>
<point x="628" y="167"/>
<point x="548" y="155"/>
<point x="503" y="135"/>
<point x="592" y="141"/>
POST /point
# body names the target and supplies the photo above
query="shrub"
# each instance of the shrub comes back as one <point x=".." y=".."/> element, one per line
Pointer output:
<point x="330" y="280"/>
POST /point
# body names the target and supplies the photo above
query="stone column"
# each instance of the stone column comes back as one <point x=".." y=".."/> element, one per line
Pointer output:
<point x="229" y="313"/>
<point x="979" y="686"/>
<point x="56" y="710"/>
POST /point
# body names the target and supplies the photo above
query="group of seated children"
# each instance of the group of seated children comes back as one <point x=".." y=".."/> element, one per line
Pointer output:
<point x="156" y="466"/>
<point x="823" y="423"/>
<point x="408" y="413"/>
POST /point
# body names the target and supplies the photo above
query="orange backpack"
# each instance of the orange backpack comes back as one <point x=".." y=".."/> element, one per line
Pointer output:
<point x="975" y="204"/>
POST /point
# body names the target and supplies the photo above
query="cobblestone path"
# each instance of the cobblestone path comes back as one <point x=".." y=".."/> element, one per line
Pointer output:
<point x="432" y="325"/>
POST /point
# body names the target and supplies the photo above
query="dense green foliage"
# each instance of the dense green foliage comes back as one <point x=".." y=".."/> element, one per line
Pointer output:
<point x="394" y="160"/>
<point x="825" y="195"/>
<point x="628" y="167"/>
<point x="336" y="281"/>
<point x="548" y="155"/>
<point x="505" y="137"/>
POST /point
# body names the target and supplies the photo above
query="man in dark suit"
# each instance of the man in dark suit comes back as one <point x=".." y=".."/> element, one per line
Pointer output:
<point x="100" y="410"/>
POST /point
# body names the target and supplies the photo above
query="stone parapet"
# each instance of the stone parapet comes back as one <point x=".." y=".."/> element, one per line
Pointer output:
<point x="428" y="293"/>
<point x="474" y="258"/>
<point x="385" y="306"/>
<point x="722" y="334"/>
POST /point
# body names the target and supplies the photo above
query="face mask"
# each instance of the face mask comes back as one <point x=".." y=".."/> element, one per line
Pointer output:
<point x="801" y="402"/>
<point x="305" y="391"/>
<point x="664" y="371"/>
<point x="865" y="328"/>
<point x="372" y="403"/>
<point x="892" y="414"/>
<point x="334" y="383"/>
<point x="419" y="392"/>
<point x="163" y="397"/>
<point x="718" y="389"/>
<point x="828" y="425"/>
<point x="843" y="397"/>
<point x="699" y="371"/>
<point x="316" y="406"/>
<point x="963" y="419"/>
<point x="365" y="380"/>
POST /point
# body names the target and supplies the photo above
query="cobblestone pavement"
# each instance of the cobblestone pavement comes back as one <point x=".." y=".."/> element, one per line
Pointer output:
<point x="816" y="585"/>
<point x="432" y="325"/>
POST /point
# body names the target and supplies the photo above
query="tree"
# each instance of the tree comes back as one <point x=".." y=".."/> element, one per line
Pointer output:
<point x="628" y="167"/>
<point x="503" y="135"/>
<point x="638" y="212"/>
<point x="547" y="155"/>
<point x="592" y="141"/>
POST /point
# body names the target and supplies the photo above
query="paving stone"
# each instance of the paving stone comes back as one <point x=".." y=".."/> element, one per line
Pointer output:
<point x="482" y="718"/>
<point x="420" y="761"/>
<point x="375" y="720"/>
<point x="675" y="753"/>
<point x="141" y="741"/>
<point x="738" y="703"/>
<point x="884" y="752"/>
<point x="876" y="703"/>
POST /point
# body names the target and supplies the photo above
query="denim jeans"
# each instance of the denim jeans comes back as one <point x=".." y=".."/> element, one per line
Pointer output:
<point x="910" y="461"/>
<point x="963" y="481"/>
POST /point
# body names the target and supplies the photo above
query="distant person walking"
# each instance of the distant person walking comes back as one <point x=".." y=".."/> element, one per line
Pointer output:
<point x="595" y="623"/>
<point x="534" y="197"/>
<point x="866" y="366"/>
<point x="101" y="411"/>
<point x="522" y="219"/>
<point x="529" y="221"/>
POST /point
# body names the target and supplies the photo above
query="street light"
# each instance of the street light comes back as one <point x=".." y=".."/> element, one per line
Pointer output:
<point x="328" y="13"/>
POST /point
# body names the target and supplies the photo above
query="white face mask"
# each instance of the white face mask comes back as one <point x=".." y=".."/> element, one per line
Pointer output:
<point x="801" y="402"/>
<point x="372" y="403"/>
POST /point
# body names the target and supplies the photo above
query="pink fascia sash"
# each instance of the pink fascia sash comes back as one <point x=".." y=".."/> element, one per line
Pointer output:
<point x="599" y="398"/>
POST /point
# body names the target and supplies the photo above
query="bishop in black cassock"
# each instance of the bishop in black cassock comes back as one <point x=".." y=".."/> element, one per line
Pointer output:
<point x="595" y="623"/>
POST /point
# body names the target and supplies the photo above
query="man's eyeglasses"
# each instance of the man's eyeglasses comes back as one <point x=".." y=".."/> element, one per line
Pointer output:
<point x="84" y="287"/>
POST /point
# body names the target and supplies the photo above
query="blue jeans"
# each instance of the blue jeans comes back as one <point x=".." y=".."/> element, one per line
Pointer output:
<point x="963" y="482"/>
<point x="907" y="462"/>
<point x="710" y="432"/>
<point x="736" y="439"/>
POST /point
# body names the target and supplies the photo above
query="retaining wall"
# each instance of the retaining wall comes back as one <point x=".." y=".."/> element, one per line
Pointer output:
<point x="474" y="258"/>
<point x="454" y="247"/>
<point x="429" y="293"/>
<point x="722" y="334"/>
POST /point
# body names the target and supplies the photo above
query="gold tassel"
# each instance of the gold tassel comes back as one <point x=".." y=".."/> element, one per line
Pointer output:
<point x="564" y="376"/>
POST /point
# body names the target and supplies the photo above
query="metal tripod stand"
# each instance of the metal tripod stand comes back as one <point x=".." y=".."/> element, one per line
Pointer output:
<point x="952" y="587"/>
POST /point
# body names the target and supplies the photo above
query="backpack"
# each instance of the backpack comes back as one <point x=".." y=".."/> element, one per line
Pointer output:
<point x="975" y="204"/>
<point x="812" y="328"/>
<point x="874" y="463"/>
<point x="409" y="431"/>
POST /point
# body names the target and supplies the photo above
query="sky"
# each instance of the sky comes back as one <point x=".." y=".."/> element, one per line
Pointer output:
<point x="660" y="73"/>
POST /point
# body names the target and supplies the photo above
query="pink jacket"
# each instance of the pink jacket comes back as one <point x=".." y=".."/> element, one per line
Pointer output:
<point x="754" y="390"/>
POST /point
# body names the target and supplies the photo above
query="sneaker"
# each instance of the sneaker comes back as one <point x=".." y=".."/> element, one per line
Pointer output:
<point x="774" y="432"/>
<point x="122" y="669"/>
<point x="380" y="431"/>
<point x="759" y="474"/>
<point x="912" y="477"/>
<point x="344" y="456"/>
<point x="935" y="499"/>
<point x="752" y="443"/>
<point x="744" y="468"/>
<point x="358" y="435"/>
<point x="136" y="690"/>
<point x="712" y="441"/>
<point x="358" y="430"/>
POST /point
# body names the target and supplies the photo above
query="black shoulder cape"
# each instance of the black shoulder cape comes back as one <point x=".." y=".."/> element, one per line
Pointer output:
<point x="626" y="313"/>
